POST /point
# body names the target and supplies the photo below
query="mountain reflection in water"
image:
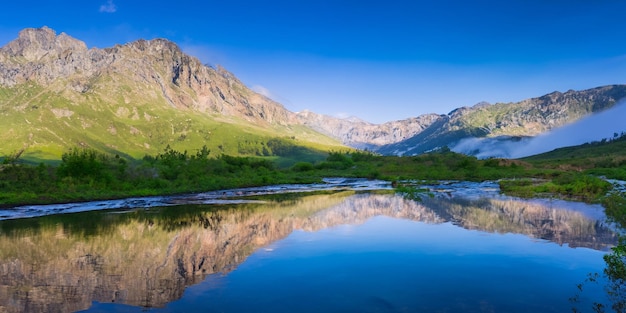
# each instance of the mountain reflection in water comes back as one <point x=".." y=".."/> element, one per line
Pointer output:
<point x="147" y="258"/>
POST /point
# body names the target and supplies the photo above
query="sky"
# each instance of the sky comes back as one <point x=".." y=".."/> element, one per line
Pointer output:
<point x="376" y="60"/>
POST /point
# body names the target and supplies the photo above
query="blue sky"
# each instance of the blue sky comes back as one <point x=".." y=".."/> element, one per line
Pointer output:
<point x="377" y="60"/>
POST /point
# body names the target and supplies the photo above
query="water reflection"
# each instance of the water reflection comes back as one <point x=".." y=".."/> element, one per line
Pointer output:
<point x="541" y="220"/>
<point x="148" y="257"/>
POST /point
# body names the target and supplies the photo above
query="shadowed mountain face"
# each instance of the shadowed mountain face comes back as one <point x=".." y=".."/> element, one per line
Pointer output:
<point x="148" y="257"/>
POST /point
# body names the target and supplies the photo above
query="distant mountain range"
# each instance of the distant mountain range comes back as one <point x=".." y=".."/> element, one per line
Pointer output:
<point x="508" y="122"/>
<point x="137" y="98"/>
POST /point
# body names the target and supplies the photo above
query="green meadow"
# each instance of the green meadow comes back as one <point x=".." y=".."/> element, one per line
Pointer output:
<point x="577" y="173"/>
<point x="87" y="174"/>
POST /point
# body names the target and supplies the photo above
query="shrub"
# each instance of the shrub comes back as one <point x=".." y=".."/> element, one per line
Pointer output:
<point x="302" y="167"/>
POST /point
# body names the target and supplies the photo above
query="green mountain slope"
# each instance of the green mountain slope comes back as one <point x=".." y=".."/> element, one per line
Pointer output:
<point x="133" y="99"/>
<point x="604" y="154"/>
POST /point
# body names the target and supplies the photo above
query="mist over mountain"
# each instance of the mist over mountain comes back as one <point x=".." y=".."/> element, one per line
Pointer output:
<point x="604" y="125"/>
<point x="489" y="129"/>
<point x="484" y="130"/>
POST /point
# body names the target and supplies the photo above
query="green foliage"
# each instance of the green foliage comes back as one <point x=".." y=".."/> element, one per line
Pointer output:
<point x="25" y="180"/>
<point x="566" y="185"/>
<point x="12" y="158"/>
<point x="131" y="125"/>
<point x="615" y="271"/>
<point x="412" y="192"/>
<point x="613" y="281"/>
<point x="302" y="167"/>
<point x="87" y="164"/>
<point x="88" y="174"/>
<point x="337" y="161"/>
<point x="605" y="157"/>
<point x="615" y="208"/>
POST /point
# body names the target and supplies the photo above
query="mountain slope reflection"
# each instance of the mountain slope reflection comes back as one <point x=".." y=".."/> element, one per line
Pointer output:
<point x="537" y="220"/>
<point x="147" y="258"/>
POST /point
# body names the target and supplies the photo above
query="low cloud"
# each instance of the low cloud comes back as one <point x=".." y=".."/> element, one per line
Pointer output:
<point x="342" y="115"/>
<point x="262" y="90"/>
<point x="591" y="128"/>
<point x="109" y="7"/>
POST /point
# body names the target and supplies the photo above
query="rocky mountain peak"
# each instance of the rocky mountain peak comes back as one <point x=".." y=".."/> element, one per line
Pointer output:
<point x="482" y="104"/>
<point x="364" y="135"/>
<point x="63" y="64"/>
<point x="155" y="47"/>
<point x="33" y="44"/>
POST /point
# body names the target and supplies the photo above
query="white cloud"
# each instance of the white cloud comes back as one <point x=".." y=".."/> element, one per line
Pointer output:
<point x="262" y="90"/>
<point x="109" y="7"/>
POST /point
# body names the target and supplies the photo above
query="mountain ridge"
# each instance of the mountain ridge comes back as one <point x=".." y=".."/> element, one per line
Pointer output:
<point x="526" y="118"/>
<point x="138" y="97"/>
<point x="133" y="98"/>
<point x="44" y="57"/>
<point x="431" y="131"/>
<point x="365" y="135"/>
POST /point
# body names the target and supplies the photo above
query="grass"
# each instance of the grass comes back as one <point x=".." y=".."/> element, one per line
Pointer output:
<point x="127" y="123"/>
<point x="248" y="158"/>
<point x="85" y="174"/>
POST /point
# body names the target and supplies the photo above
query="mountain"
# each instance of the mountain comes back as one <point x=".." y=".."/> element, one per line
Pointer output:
<point x="364" y="135"/>
<point x="133" y="99"/>
<point x="138" y="98"/>
<point x="604" y="153"/>
<point x="606" y="124"/>
<point x="508" y="121"/>
<point x="483" y="129"/>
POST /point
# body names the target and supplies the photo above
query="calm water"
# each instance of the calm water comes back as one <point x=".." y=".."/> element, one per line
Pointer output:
<point x="330" y="252"/>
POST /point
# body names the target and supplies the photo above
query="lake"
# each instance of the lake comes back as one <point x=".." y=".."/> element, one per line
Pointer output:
<point x="349" y="248"/>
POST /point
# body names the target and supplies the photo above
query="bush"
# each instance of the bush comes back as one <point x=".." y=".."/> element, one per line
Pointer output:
<point x="302" y="167"/>
<point x="87" y="165"/>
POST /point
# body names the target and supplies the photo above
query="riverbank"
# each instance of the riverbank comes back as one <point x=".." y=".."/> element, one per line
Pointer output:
<point x="84" y="176"/>
<point x="226" y="196"/>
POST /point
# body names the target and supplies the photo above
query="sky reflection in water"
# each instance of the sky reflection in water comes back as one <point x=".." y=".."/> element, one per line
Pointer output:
<point x="394" y="265"/>
<point x="323" y="252"/>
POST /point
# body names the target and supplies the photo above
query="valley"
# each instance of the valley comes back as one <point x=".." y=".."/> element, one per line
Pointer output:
<point x="144" y="120"/>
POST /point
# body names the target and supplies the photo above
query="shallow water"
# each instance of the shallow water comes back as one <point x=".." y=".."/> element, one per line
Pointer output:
<point x="467" y="249"/>
<point x="231" y="196"/>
